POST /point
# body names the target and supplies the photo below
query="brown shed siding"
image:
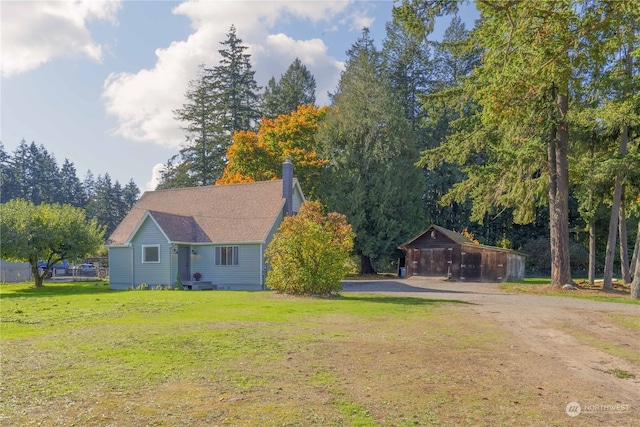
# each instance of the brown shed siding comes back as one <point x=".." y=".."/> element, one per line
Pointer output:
<point x="444" y="253"/>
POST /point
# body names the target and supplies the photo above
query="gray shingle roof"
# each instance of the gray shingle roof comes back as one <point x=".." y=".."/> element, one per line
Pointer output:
<point x="232" y="213"/>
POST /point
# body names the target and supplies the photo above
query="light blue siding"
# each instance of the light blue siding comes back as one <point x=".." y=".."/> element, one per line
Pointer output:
<point x="120" y="268"/>
<point x="151" y="273"/>
<point x="246" y="275"/>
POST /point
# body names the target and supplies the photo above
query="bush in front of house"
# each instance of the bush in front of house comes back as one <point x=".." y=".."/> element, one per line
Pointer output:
<point x="309" y="254"/>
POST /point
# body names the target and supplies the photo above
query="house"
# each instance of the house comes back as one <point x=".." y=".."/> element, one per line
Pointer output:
<point x="220" y="232"/>
<point x="445" y="253"/>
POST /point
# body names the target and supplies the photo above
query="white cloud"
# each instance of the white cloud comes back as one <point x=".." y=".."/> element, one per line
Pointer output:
<point x="35" y="32"/>
<point x="143" y="102"/>
<point x="155" y="177"/>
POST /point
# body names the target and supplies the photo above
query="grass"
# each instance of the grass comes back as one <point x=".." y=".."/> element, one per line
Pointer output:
<point x="82" y="354"/>
<point x="540" y="286"/>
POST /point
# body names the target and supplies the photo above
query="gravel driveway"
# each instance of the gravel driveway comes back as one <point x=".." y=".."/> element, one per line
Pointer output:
<point x="552" y="327"/>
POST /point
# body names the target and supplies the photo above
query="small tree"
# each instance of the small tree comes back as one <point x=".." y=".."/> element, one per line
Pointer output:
<point x="309" y="253"/>
<point x="46" y="233"/>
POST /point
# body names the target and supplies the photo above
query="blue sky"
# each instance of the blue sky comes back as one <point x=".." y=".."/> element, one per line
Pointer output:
<point x="96" y="81"/>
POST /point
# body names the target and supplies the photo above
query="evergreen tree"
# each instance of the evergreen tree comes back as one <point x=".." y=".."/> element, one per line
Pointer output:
<point x="202" y="158"/>
<point x="34" y="174"/>
<point x="371" y="151"/>
<point x="104" y="204"/>
<point x="236" y="93"/>
<point x="419" y="69"/>
<point x="72" y="191"/>
<point x="515" y="147"/>
<point x="130" y="195"/>
<point x="222" y="100"/>
<point x="89" y="185"/>
<point x="7" y="184"/>
<point x="296" y="87"/>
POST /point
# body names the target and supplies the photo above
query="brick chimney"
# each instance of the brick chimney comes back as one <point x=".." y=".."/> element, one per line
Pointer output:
<point x="287" y="186"/>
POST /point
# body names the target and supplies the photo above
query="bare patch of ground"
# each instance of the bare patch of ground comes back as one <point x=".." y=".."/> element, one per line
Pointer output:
<point x="570" y="350"/>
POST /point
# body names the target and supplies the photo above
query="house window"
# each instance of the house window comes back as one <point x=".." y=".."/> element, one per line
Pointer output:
<point x="150" y="253"/>
<point x="226" y="255"/>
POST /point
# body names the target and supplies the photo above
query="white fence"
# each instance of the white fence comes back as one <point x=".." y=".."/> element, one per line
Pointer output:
<point x="13" y="272"/>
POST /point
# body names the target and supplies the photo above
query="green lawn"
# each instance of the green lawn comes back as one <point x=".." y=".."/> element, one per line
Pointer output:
<point x="79" y="354"/>
<point x="73" y="352"/>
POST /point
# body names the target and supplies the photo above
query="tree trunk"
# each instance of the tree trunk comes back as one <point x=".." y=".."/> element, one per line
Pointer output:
<point x="365" y="265"/>
<point x="624" y="249"/>
<point x="559" y="197"/>
<point x="611" y="241"/>
<point x="635" y="284"/>
<point x="38" y="279"/>
<point x="615" y="217"/>
<point x="636" y="253"/>
<point x="592" y="251"/>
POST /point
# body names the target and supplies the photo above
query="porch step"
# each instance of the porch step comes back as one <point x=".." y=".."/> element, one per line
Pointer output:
<point x="199" y="286"/>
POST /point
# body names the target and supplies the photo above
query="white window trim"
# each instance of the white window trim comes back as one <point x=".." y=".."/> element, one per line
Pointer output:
<point x="144" y="261"/>
<point x="217" y="256"/>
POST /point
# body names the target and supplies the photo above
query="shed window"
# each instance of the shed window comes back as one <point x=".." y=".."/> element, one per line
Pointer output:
<point x="150" y="253"/>
<point x="226" y="255"/>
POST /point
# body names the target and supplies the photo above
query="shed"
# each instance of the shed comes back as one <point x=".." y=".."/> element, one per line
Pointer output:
<point x="441" y="252"/>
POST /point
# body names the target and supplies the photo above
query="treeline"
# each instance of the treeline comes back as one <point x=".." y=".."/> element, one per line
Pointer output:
<point x="32" y="173"/>
<point x="397" y="149"/>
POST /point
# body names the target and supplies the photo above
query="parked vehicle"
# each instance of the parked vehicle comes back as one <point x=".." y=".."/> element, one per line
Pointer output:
<point x="85" y="268"/>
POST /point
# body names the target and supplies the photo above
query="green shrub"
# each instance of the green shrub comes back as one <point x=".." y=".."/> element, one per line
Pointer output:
<point x="309" y="254"/>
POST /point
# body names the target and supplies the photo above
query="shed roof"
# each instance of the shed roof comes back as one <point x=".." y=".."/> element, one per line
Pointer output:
<point x="218" y="213"/>
<point x="452" y="235"/>
<point x="458" y="239"/>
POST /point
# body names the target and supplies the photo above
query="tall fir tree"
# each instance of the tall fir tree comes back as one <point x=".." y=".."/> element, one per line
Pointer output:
<point x="516" y="148"/>
<point x="7" y="185"/>
<point x="221" y="100"/>
<point x="371" y="177"/>
<point x="72" y="191"/>
<point x="296" y="87"/>
<point x="235" y="91"/>
<point x="200" y="158"/>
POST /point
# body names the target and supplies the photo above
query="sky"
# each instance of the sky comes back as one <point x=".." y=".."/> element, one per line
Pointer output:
<point x="96" y="82"/>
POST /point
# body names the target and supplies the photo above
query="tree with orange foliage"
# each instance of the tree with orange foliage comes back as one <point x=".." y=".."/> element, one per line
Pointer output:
<point x="259" y="156"/>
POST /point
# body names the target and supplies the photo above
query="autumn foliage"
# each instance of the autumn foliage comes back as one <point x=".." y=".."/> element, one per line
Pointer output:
<point x="259" y="156"/>
<point x="309" y="253"/>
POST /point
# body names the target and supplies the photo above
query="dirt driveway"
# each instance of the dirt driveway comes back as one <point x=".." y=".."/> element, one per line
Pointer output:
<point x="580" y="346"/>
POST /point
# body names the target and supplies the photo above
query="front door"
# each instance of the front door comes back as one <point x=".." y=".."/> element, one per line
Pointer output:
<point x="184" y="259"/>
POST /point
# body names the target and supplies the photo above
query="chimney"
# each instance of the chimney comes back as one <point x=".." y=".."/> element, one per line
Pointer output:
<point x="287" y="186"/>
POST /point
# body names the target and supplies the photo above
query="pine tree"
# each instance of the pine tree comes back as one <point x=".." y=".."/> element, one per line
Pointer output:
<point x="72" y="191"/>
<point x="296" y="87"/>
<point x="235" y="91"/>
<point x="221" y="100"/>
<point x="130" y="195"/>
<point x="7" y="178"/>
<point x="199" y="155"/>
<point x="371" y="151"/>
<point x="515" y="147"/>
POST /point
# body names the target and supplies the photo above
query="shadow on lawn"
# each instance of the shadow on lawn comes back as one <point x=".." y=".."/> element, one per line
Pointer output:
<point x="393" y="286"/>
<point x="51" y="289"/>
<point x="401" y="300"/>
